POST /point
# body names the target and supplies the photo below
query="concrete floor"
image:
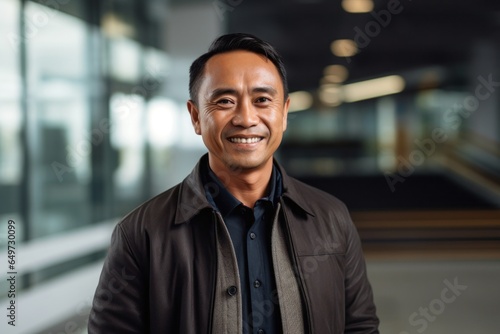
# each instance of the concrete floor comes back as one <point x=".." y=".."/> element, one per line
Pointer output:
<point x="437" y="297"/>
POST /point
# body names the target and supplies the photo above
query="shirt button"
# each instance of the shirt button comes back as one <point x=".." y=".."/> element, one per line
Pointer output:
<point x="253" y="235"/>
<point x="232" y="290"/>
<point x="261" y="331"/>
<point x="257" y="283"/>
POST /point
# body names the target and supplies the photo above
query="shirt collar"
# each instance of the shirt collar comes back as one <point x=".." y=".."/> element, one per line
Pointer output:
<point x="192" y="199"/>
<point x="221" y="199"/>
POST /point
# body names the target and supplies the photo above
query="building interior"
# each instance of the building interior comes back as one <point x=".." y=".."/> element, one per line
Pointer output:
<point x="395" y="110"/>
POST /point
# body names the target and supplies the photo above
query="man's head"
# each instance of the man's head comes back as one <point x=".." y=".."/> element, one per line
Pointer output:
<point x="232" y="42"/>
<point x="239" y="102"/>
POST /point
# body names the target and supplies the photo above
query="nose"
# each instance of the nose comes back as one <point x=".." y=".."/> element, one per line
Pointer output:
<point x="245" y="115"/>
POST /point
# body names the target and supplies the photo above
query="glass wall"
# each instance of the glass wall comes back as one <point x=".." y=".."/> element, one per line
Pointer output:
<point x="83" y="117"/>
<point x="11" y="120"/>
<point x="57" y="117"/>
<point x="77" y="79"/>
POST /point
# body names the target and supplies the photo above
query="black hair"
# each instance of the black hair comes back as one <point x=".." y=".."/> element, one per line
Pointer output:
<point x="233" y="42"/>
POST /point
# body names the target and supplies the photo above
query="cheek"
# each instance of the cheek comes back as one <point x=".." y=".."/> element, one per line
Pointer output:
<point x="212" y="127"/>
<point x="276" y="121"/>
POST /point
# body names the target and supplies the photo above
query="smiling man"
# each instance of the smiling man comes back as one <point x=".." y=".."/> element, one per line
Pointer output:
<point x="240" y="107"/>
<point x="238" y="246"/>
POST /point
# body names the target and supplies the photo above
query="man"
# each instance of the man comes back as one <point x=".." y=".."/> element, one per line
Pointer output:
<point x="238" y="246"/>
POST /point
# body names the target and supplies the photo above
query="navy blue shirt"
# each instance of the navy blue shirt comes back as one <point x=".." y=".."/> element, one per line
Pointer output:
<point x="250" y="231"/>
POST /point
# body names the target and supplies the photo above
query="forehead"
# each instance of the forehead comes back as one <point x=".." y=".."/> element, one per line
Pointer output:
<point x="240" y="66"/>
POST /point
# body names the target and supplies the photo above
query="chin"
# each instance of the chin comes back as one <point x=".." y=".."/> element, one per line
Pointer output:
<point x="247" y="164"/>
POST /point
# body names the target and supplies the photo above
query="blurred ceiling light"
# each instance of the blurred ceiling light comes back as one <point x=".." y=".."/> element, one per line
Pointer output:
<point x="114" y="26"/>
<point x="357" y="6"/>
<point x="330" y="95"/>
<point x="329" y="79"/>
<point x="335" y="74"/>
<point x="370" y="89"/>
<point x="344" y="48"/>
<point x="300" y="100"/>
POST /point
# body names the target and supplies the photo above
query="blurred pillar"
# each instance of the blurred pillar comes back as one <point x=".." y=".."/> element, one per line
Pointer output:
<point x="485" y="87"/>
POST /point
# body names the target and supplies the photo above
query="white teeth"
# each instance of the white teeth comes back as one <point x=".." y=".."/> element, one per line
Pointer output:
<point x="245" y="140"/>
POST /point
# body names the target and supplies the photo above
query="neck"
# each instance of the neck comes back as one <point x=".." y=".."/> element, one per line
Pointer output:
<point x="247" y="186"/>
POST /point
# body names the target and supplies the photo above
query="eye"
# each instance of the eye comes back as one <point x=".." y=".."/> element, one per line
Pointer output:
<point x="224" y="102"/>
<point x="262" y="99"/>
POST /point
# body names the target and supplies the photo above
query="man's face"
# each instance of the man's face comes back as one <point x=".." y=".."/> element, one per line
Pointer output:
<point x="241" y="112"/>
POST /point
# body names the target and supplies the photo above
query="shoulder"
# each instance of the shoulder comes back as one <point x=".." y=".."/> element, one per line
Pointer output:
<point x="322" y="222"/>
<point x="317" y="200"/>
<point x="155" y="212"/>
<point x="169" y="210"/>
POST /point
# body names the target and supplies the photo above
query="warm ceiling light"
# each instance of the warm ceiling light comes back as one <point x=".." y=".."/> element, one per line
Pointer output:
<point x="357" y="6"/>
<point x="344" y="48"/>
<point x="114" y="26"/>
<point x="330" y="95"/>
<point x="370" y="89"/>
<point x="335" y="73"/>
<point x="300" y="100"/>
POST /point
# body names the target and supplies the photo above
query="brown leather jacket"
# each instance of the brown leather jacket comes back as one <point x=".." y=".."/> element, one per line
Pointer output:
<point x="160" y="273"/>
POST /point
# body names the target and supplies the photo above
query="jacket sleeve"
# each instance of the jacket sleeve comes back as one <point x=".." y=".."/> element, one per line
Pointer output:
<point x="119" y="304"/>
<point x="360" y="309"/>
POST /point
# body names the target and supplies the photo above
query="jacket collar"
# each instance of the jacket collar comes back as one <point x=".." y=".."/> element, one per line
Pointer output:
<point x="290" y="191"/>
<point x="192" y="199"/>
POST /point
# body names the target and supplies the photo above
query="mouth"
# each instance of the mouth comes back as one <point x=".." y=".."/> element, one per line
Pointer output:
<point x="244" y="140"/>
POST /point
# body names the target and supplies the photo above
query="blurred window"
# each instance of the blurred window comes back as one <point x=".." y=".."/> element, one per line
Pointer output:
<point x="58" y="120"/>
<point x="11" y="147"/>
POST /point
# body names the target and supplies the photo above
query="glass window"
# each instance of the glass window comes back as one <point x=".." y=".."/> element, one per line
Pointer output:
<point x="128" y="140"/>
<point x="59" y="120"/>
<point x="11" y="156"/>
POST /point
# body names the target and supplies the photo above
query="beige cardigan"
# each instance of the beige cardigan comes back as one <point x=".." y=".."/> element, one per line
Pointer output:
<point x="227" y="317"/>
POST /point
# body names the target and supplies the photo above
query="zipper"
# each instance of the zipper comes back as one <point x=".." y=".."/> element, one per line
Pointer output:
<point x="296" y="266"/>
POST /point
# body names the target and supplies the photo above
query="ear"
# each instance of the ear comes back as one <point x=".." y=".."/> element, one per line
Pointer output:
<point x="195" y="116"/>
<point x="285" y="113"/>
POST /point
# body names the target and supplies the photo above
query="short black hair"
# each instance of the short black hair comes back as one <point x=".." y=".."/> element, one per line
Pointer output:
<point x="233" y="42"/>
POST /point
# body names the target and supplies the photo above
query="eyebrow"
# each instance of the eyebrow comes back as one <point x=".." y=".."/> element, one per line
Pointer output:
<point x="265" y="89"/>
<point x="231" y="91"/>
<point x="222" y="91"/>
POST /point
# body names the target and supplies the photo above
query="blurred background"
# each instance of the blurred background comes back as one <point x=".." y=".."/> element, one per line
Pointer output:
<point x="395" y="110"/>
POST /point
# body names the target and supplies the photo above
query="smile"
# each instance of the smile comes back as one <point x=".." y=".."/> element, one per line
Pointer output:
<point x="245" y="140"/>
